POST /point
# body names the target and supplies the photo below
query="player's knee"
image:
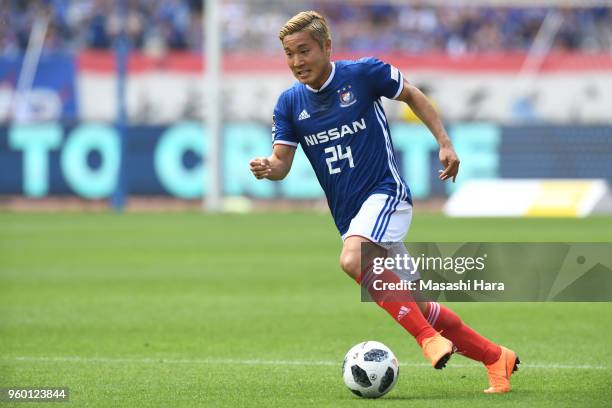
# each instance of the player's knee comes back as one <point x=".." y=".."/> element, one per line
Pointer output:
<point x="351" y="264"/>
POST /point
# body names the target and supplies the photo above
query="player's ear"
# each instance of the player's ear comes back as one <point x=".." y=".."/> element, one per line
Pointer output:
<point x="327" y="48"/>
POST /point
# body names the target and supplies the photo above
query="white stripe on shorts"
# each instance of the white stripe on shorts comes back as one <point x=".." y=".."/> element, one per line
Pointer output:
<point x="381" y="218"/>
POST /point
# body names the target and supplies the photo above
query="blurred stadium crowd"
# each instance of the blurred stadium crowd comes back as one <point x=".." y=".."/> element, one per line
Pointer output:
<point x="159" y="25"/>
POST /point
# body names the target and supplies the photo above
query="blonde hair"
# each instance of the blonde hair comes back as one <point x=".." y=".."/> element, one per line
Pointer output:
<point x="309" y="21"/>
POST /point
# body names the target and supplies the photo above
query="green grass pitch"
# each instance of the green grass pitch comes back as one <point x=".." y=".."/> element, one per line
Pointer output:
<point x="173" y="310"/>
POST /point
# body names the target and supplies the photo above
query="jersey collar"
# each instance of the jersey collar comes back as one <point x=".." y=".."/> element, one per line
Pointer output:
<point x="331" y="77"/>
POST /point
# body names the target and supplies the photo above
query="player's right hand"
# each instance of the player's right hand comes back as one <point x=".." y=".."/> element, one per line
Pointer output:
<point x="260" y="167"/>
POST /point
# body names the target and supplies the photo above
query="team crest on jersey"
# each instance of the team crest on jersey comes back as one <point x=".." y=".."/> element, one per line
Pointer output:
<point x="347" y="97"/>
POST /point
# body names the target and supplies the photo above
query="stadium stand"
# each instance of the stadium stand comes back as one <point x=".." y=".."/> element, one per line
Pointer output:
<point x="176" y="25"/>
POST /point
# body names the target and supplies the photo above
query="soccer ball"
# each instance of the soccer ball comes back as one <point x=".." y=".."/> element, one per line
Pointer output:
<point x="370" y="369"/>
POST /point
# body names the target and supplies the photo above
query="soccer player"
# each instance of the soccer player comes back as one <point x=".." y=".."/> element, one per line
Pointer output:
<point x="334" y="112"/>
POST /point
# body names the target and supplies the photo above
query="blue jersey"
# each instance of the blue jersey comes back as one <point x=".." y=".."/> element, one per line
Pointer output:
<point x="343" y="131"/>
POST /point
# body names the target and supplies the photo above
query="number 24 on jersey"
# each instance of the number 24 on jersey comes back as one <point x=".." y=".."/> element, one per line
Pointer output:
<point x="336" y="154"/>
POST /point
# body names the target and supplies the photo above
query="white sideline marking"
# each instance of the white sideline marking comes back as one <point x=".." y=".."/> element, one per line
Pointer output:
<point x="112" y="360"/>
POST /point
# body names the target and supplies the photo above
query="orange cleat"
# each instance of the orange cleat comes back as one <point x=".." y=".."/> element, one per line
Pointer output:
<point x="501" y="370"/>
<point x="438" y="350"/>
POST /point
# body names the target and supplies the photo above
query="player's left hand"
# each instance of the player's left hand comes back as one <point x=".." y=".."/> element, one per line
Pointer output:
<point x="450" y="161"/>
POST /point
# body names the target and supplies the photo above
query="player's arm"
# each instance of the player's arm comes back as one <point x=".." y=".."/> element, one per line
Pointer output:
<point x="421" y="106"/>
<point x="276" y="166"/>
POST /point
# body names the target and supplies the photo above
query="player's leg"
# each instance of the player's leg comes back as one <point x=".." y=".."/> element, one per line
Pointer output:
<point x="351" y="263"/>
<point x="403" y="309"/>
<point x="468" y="342"/>
<point x="500" y="361"/>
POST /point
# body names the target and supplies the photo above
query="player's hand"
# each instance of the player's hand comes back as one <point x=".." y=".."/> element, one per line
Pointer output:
<point x="260" y="167"/>
<point x="450" y="161"/>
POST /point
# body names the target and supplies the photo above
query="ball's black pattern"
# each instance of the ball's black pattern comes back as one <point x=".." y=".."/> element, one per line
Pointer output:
<point x="360" y="376"/>
<point x="386" y="381"/>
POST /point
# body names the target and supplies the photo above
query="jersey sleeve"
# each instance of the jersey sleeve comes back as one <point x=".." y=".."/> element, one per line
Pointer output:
<point x="282" y="129"/>
<point x="384" y="79"/>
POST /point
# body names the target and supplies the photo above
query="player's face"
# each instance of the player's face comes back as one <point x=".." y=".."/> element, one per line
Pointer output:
<point x="309" y="63"/>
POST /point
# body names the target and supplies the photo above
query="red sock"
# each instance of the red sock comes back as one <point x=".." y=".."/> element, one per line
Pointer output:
<point x="400" y="306"/>
<point x="468" y="342"/>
